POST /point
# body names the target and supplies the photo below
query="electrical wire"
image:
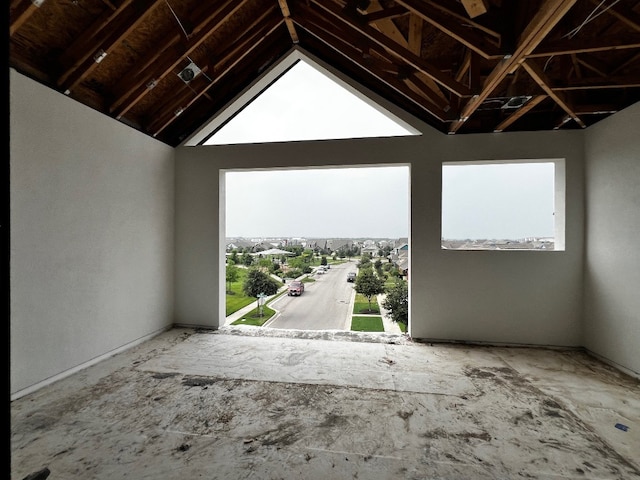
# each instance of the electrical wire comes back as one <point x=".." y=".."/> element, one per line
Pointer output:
<point x="592" y="16"/>
<point x="177" y="19"/>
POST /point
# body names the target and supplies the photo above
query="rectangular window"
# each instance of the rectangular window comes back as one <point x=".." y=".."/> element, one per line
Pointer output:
<point x="503" y="205"/>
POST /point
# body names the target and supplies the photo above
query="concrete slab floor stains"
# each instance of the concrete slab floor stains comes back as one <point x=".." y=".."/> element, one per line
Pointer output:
<point x="250" y="404"/>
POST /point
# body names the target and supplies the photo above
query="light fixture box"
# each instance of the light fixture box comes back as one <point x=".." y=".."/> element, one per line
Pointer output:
<point x="190" y="72"/>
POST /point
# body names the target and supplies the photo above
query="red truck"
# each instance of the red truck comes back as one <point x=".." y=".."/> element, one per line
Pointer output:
<point x="296" y="288"/>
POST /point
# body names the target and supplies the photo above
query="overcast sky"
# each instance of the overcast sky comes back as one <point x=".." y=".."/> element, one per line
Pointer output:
<point x="321" y="203"/>
<point x="488" y="201"/>
<point x="304" y="104"/>
<point x="498" y="201"/>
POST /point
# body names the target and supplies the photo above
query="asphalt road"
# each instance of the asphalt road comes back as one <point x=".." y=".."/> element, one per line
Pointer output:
<point x="324" y="305"/>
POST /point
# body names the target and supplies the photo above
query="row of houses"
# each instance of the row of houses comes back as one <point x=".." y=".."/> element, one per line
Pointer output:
<point x="372" y="246"/>
<point x="398" y="249"/>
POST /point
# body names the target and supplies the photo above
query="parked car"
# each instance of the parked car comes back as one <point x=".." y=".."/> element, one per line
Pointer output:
<point x="321" y="269"/>
<point x="296" y="288"/>
<point x="351" y="277"/>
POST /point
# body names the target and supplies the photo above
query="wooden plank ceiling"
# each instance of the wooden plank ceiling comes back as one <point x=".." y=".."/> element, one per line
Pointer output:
<point x="462" y="66"/>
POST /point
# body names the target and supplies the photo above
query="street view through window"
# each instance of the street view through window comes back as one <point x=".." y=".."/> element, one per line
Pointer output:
<point x="318" y="249"/>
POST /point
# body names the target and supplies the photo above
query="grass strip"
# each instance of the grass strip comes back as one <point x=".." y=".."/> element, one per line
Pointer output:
<point x="367" y="324"/>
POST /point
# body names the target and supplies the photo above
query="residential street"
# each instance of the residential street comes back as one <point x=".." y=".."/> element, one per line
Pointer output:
<point x="325" y="304"/>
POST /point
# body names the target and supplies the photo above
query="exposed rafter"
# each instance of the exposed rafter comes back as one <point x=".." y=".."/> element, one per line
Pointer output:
<point x="519" y="113"/>
<point x="284" y="7"/>
<point x="166" y="67"/>
<point x="383" y="41"/>
<point x="547" y="17"/>
<point x="469" y="38"/>
<point x="543" y="81"/>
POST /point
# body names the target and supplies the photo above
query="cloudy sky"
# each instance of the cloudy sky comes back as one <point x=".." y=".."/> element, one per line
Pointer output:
<point x="489" y="201"/>
<point x="498" y="201"/>
<point x="329" y="112"/>
<point x="341" y="203"/>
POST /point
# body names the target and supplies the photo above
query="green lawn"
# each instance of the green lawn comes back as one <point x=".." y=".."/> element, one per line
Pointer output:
<point x="254" y="318"/>
<point x="238" y="299"/>
<point x="361" y="305"/>
<point x="403" y="327"/>
<point x="367" y="324"/>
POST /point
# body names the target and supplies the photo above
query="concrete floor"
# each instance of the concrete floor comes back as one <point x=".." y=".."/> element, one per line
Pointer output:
<point x="251" y="403"/>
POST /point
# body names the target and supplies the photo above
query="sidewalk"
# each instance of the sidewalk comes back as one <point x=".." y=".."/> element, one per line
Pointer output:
<point x="389" y="325"/>
<point x="238" y="314"/>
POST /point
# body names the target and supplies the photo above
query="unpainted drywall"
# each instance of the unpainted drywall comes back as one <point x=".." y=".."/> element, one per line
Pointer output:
<point x="92" y="225"/>
<point x="612" y="261"/>
<point x="511" y="297"/>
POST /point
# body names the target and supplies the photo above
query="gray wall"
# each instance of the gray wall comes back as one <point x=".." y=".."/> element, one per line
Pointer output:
<point x="612" y="266"/>
<point x="92" y="228"/>
<point x="512" y="297"/>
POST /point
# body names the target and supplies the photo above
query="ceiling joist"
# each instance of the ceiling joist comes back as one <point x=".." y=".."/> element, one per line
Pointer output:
<point x="543" y="81"/>
<point x="547" y="17"/>
<point x="469" y="38"/>
<point x="383" y="41"/>
<point x="284" y="7"/>
<point x="460" y="66"/>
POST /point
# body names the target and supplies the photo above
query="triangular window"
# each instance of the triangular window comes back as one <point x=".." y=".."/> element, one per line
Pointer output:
<point x="303" y="103"/>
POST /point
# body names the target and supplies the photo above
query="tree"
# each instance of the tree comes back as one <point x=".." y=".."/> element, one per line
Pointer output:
<point x="368" y="284"/>
<point x="397" y="302"/>
<point x="247" y="259"/>
<point x="231" y="275"/>
<point x="323" y="260"/>
<point x="257" y="283"/>
<point x="365" y="262"/>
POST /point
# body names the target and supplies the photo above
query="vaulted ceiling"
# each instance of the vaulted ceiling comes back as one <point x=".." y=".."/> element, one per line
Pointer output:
<point x="165" y="67"/>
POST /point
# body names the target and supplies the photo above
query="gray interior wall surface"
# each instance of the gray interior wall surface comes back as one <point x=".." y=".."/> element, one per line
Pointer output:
<point x="612" y="264"/>
<point x="484" y="296"/>
<point x="92" y="234"/>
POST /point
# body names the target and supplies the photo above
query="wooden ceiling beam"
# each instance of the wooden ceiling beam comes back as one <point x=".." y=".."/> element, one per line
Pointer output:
<point x="594" y="65"/>
<point x="634" y="60"/>
<point x="20" y="12"/>
<point x="576" y="65"/>
<point x="384" y="41"/>
<point x="563" y="121"/>
<point x="261" y="29"/>
<point x="464" y="66"/>
<point x="413" y="79"/>
<point x="602" y="109"/>
<point x="385" y="14"/>
<point x="284" y="7"/>
<point x="414" y="39"/>
<point x="623" y="13"/>
<point x="588" y="45"/>
<point x="431" y="91"/>
<point x="590" y="83"/>
<point x="519" y="113"/>
<point x="475" y="8"/>
<point x="132" y="90"/>
<point x="438" y="4"/>
<point x="469" y="38"/>
<point x="388" y="27"/>
<point x="543" y="81"/>
<point x="320" y="29"/>
<point x="546" y="18"/>
<point x="99" y="40"/>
